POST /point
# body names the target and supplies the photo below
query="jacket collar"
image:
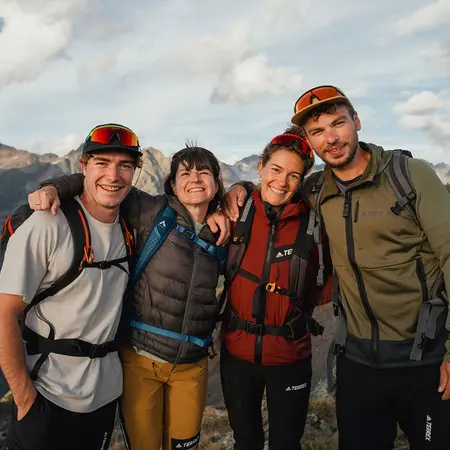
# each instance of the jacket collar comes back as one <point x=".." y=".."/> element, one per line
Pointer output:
<point x="375" y="165"/>
<point x="186" y="219"/>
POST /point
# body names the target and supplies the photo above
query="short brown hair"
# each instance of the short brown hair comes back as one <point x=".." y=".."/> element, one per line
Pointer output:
<point x="294" y="147"/>
<point x="326" y="108"/>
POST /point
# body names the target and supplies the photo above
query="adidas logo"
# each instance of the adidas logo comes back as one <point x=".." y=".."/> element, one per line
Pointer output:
<point x="428" y="429"/>
<point x="296" y="388"/>
<point x="282" y="253"/>
<point x="189" y="443"/>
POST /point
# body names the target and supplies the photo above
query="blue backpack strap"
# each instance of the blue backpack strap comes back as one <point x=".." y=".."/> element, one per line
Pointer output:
<point x="164" y="223"/>
<point x="220" y="253"/>
<point x="201" y="342"/>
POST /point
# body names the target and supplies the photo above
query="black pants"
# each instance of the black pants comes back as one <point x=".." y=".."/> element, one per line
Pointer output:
<point x="49" y="427"/>
<point x="371" y="402"/>
<point x="287" y="393"/>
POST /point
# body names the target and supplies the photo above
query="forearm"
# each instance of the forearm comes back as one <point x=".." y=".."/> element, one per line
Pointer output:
<point x="12" y="359"/>
<point x="68" y="185"/>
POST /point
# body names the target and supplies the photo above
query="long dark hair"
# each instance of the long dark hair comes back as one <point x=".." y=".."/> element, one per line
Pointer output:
<point x="192" y="156"/>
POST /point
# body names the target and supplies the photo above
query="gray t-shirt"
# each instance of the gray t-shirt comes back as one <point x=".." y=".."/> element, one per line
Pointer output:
<point x="40" y="252"/>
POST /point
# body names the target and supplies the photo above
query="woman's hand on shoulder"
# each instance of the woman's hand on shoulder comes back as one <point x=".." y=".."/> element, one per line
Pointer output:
<point x="233" y="200"/>
<point x="219" y="222"/>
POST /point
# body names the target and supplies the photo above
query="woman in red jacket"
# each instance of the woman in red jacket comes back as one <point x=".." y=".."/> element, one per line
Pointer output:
<point x="275" y="273"/>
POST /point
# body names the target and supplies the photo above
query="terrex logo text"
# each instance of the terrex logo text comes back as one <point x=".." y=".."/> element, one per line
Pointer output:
<point x="296" y="388"/>
<point x="428" y="429"/>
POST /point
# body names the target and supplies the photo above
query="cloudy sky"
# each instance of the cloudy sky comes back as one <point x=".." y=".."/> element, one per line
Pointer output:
<point x="223" y="73"/>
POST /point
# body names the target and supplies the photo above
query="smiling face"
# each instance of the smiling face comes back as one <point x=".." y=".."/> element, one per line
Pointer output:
<point x="194" y="187"/>
<point x="334" y="137"/>
<point x="281" y="176"/>
<point x="108" y="178"/>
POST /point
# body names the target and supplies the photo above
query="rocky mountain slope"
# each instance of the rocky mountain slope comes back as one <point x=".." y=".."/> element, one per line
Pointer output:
<point x="21" y="172"/>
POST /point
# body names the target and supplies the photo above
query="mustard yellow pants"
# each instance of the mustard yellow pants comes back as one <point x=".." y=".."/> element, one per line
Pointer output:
<point x="162" y="405"/>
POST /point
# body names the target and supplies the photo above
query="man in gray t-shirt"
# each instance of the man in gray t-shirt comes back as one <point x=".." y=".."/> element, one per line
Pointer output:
<point x="70" y="403"/>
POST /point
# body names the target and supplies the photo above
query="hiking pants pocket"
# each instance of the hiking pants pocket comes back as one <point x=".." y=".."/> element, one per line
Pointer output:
<point x="47" y="426"/>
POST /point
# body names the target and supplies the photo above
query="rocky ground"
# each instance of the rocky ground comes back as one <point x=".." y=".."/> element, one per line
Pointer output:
<point x="320" y="433"/>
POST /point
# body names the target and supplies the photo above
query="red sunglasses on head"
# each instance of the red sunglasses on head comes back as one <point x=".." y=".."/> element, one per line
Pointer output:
<point x="286" y="140"/>
<point x="104" y="134"/>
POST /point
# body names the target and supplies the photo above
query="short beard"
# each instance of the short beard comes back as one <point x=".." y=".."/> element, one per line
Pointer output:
<point x="346" y="161"/>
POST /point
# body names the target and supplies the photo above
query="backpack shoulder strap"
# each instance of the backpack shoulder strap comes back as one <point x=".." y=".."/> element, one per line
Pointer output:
<point x="316" y="222"/>
<point x="163" y="224"/>
<point x="302" y="250"/>
<point x="236" y="250"/>
<point x="81" y="236"/>
<point x="10" y="226"/>
<point x="316" y="182"/>
<point x="400" y="180"/>
<point x="241" y="236"/>
<point x="127" y="236"/>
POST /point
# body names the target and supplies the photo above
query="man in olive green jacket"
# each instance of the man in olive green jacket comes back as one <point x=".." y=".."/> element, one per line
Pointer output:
<point x="391" y="272"/>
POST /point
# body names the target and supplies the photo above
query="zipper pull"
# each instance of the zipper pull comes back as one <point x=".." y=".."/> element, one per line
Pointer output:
<point x="356" y="211"/>
<point x="346" y="211"/>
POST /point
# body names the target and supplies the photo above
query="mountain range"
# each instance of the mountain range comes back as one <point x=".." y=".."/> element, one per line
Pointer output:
<point x="21" y="171"/>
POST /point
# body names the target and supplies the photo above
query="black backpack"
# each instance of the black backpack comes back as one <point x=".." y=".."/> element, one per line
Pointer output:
<point x="83" y="258"/>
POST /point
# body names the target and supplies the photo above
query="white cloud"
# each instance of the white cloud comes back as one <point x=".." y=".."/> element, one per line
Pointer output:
<point x="358" y="89"/>
<point x="438" y="53"/>
<point x="34" y="32"/>
<point x="231" y="159"/>
<point x="420" y="104"/>
<point x="226" y="74"/>
<point x="253" y="77"/>
<point x="241" y="73"/>
<point x="70" y="142"/>
<point x="100" y="65"/>
<point x="429" y="113"/>
<point x="425" y="18"/>
<point x="211" y="54"/>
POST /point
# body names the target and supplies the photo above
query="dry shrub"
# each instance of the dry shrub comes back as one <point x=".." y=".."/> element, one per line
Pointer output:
<point x="323" y="407"/>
